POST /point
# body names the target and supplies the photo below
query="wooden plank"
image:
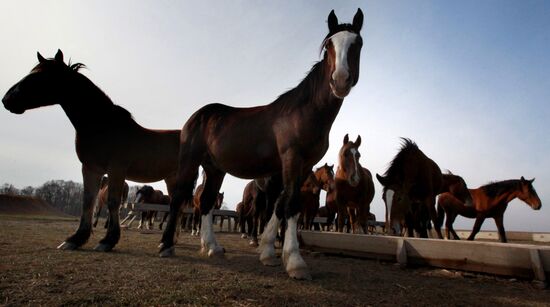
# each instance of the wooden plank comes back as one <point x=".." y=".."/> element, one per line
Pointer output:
<point x="401" y="253"/>
<point x="486" y="257"/>
<point x="166" y="208"/>
<point x="538" y="268"/>
<point x="510" y="235"/>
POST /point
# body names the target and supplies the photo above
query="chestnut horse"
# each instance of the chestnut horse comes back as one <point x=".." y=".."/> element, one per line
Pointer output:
<point x="108" y="140"/>
<point x="490" y="200"/>
<point x="354" y="187"/>
<point x="325" y="175"/>
<point x="102" y="199"/>
<point x="148" y="195"/>
<point x="286" y="137"/>
<point x="197" y="208"/>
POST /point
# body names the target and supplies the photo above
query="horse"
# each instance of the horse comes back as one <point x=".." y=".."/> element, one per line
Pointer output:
<point x="490" y="200"/>
<point x="108" y="140"/>
<point x="197" y="207"/>
<point x="286" y="138"/>
<point x="148" y="195"/>
<point x="325" y="175"/>
<point x="309" y="199"/>
<point x="102" y="199"/>
<point x="354" y="187"/>
<point x="411" y="184"/>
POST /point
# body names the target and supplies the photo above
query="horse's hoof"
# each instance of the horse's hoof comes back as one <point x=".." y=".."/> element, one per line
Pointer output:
<point x="270" y="261"/>
<point x="253" y="243"/>
<point x="67" y="246"/>
<point x="102" y="247"/>
<point x="217" y="251"/>
<point x="300" y="274"/>
<point x="244" y="236"/>
<point x="168" y="252"/>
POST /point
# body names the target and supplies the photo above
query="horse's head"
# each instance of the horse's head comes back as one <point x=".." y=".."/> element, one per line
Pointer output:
<point x="312" y="184"/>
<point x="457" y="186"/>
<point x="343" y="49"/>
<point x="43" y="86"/>
<point x="144" y="193"/>
<point x="349" y="160"/>
<point x="528" y="194"/>
<point x="325" y="175"/>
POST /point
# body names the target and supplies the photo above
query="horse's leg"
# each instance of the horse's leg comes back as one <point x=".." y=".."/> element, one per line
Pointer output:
<point x="433" y="216"/>
<point x="165" y="215"/>
<point x="341" y="217"/>
<point x="98" y="206"/>
<point x="91" y="187"/>
<point x="143" y="217"/>
<point x="114" y="198"/>
<point x="500" y="226"/>
<point x="477" y="227"/>
<point x="214" y="180"/>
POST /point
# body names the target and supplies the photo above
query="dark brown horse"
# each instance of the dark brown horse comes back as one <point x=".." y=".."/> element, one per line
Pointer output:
<point x="490" y="200"/>
<point x="108" y="140"/>
<point x="354" y="187"/>
<point x="286" y="137"/>
<point x="411" y="184"/>
<point x="148" y="195"/>
<point x="102" y="199"/>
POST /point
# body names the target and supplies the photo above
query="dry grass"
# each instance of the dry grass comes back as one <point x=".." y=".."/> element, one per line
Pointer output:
<point x="33" y="272"/>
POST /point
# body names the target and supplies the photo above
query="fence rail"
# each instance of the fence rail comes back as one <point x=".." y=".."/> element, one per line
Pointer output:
<point x="518" y="260"/>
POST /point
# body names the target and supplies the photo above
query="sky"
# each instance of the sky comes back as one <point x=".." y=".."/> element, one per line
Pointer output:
<point x="468" y="81"/>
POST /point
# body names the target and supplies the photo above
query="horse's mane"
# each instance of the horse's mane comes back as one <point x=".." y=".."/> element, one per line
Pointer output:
<point x="495" y="188"/>
<point x="398" y="162"/>
<point x="307" y="86"/>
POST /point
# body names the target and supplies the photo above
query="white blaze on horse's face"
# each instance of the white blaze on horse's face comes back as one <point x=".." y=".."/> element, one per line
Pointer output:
<point x="355" y="177"/>
<point x="341" y="84"/>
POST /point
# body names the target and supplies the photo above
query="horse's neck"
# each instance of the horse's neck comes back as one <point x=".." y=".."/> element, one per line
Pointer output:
<point x="87" y="107"/>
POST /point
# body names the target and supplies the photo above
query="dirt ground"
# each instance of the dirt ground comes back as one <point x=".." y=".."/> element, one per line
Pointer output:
<point x="34" y="272"/>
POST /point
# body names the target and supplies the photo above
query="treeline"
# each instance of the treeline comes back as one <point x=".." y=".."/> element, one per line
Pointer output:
<point x="63" y="195"/>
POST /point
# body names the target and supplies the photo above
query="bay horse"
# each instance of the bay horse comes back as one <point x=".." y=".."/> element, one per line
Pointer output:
<point x="325" y="175"/>
<point x="354" y="187"/>
<point x="148" y="195"/>
<point x="197" y="207"/>
<point x="490" y="200"/>
<point x="108" y="140"/>
<point x="101" y="199"/>
<point x="286" y="137"/>
<point x="309" y="199"/>
<point x="411" y="184"/>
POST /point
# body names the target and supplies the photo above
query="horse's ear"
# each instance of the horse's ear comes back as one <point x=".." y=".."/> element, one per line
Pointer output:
<point x="532" y="180"/>
<point x="346" y="139"/>
<point x="381" y="179"/>
<point x="522" y="178"/>
<point x="59" y="56"/>
<point x="358" y="21"/>
<point x="358" y="141"/>
<point x="41" y="59"/>
<point x="332" y="21"/>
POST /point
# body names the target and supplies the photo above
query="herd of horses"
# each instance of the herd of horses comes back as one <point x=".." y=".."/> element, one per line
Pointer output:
<point x="274" y="145"/>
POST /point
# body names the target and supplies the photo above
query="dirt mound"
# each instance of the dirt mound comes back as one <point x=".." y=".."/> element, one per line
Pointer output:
<point x="26" y="205"/>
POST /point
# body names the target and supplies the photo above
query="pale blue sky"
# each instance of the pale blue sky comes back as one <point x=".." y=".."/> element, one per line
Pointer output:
<point x="469" y="81"/>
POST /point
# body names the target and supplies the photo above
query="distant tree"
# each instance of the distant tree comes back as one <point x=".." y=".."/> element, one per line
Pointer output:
<point x="9" y="189"/>
<point x="27" y="191"/>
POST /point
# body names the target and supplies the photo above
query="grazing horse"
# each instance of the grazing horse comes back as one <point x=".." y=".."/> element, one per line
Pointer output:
<point x="354" y="187"/>
<point x="411" y="184"/>
<point x="148" y="195"/>
<point x="108" y="140"/>
<point x="309" y="199"/>
<point x="286" y="138"/>
<point x="102" y="199"/>
<point x="490" y="200"/>
<point x="325" y="175"/>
